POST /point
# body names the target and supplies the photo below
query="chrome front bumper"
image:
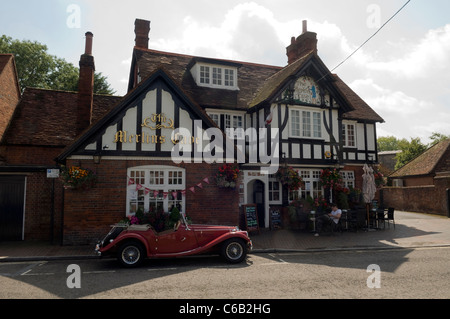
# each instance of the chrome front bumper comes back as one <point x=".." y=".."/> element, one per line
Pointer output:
<point x="97" y="250"/>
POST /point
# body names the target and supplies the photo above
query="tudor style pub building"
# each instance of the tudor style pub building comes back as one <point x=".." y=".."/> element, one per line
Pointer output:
<point x="128" y="141"/>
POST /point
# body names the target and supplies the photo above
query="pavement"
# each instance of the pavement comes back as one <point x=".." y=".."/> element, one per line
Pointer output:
<point x="412" y="230"/>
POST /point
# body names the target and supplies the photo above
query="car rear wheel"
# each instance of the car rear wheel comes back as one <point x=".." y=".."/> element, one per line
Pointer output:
<point x="234" y="250"/>
<point x="131" y="254"/>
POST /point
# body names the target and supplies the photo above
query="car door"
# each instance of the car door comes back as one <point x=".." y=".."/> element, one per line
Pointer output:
<point x="178" y="241"/>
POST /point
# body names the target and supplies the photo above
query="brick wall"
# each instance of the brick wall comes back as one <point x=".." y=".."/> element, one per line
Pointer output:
<point x="88" y="214"/>
<point x="29" y="155"/>
<point x="430" y="199"/>
<point x="38" y="208"/>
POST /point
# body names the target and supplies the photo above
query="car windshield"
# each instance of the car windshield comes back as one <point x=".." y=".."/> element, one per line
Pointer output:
<point x="184" y="221"/>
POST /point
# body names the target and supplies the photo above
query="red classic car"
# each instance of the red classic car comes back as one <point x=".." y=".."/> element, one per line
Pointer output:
<point x="132" y="244"/>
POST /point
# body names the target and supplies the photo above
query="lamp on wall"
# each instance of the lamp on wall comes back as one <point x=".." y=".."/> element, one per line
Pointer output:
<point x="97" y="157"/>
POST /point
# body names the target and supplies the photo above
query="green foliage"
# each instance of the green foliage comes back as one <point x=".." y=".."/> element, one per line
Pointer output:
<point x="388" y="143"/>
<point x="410" y="149"/>
<point x="409" y="152"/>
<point x="36" y="68"/>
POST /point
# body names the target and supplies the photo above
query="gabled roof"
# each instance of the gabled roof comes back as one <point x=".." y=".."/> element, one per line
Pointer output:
<point x="257" y="83"/>
<point x="428" y="162"/>
<point x="9" y="90"/>
<point x="250" y="77"/>
<point x="126" y="102"/>
<point x="48" y="117"/>
<point x="362" y="111"/>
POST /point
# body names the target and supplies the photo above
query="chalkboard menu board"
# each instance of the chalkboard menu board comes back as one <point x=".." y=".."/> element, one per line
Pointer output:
<point x="251" y="217"/>
<point x="275" y="219"/>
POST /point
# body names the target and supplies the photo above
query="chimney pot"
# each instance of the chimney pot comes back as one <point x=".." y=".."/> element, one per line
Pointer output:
<point x="305" y="26"/>
<point x="88" y="48"/>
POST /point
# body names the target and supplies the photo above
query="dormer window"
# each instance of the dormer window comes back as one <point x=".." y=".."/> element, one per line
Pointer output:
<point x="215" y="76"/>
<point x="204" y="74"/>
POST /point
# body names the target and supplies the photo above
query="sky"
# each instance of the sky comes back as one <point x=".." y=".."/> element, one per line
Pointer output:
<point x="403" y="72"/>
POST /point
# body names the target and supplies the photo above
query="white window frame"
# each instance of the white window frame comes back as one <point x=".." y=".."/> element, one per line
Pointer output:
<point x="231" y="120"/>
<point x="348" y="140"/>
<point x="348" y="178"/>
<point x="150" y="177"/>
<point x="204" y="75"/>
<point x="311" y="178"/>
<point x="275" y="189"/>
<point x="302" y="123"/>
<point x="216" y="76"/>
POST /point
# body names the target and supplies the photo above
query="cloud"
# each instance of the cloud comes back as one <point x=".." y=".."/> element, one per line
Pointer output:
<point x="404" y="77"/>
<point x="429" y="57"/>
<point x="405" y="115"/>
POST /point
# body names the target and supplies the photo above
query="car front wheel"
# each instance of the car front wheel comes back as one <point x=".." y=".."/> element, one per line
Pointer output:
<point x="131" y="254"/>
<point x="234" y="250"/>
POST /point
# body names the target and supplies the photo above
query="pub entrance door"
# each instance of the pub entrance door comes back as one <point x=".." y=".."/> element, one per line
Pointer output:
<point x="259" y="200"/>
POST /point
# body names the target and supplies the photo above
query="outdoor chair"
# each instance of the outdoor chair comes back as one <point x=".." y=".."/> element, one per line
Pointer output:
<point x="381" y="217"/>
<point x="339" y="227"/>
<point x="332" y="227"/>
<point x="390" y="216"/>
<point x="352" y="220"/>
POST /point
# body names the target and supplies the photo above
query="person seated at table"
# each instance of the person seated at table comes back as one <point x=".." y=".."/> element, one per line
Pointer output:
<point x="327" y="219"/>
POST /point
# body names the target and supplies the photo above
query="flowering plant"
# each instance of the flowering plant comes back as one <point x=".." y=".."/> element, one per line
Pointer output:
<point x="330" y="178"/>
<point x="379" y="178"/>
<point x="77" y="177"/>
<point x="227" y="175"/>
<point x="320" y="203"/>
<point x="289" y="177"/>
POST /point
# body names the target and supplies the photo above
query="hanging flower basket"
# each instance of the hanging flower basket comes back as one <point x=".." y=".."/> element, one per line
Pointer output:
<point x="75" y="177"/>
<point x="289" y="177"/>
<point x="227" y="176"/>
<point x="380" y="181"/>
<point x="330" y="179"/>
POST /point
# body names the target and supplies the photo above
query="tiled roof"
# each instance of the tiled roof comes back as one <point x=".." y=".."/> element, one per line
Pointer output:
<point x="257" y="83"/>
<point x="9" y="90"/>
<point x="48" y="117"/>
<point x="427" y="162"/>
<point x="362" y="111"/>
<point x="250" y="77"/>
<point x="273" y="83"/>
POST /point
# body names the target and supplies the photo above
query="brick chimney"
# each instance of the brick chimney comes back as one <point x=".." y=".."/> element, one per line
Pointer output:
<point x="303" y="45"/>
<point x="86" y="86"/>
<point x="141" y="29"/>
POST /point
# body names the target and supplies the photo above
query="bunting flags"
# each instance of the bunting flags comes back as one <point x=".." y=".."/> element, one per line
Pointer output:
<point x="174" y="194"/>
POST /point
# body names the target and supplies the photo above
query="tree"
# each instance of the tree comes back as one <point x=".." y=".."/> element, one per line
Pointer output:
<point x="437" y="137"/>
<point x="36" y="68"/>
<point x="410" y="150"/>
<point x="388" y="143"/>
